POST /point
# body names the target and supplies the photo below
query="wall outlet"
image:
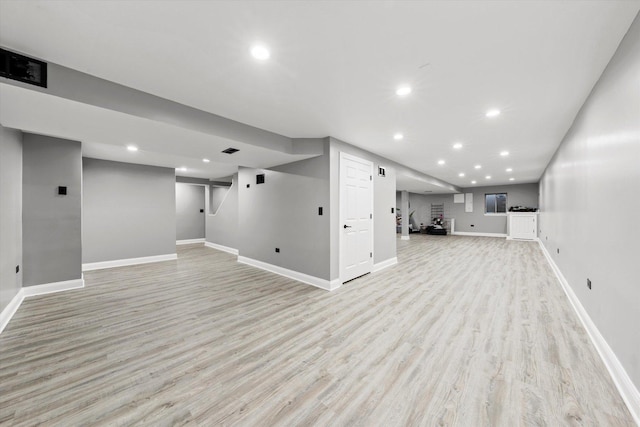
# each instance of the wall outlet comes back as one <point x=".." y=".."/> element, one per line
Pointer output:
<point x="588" y="283"/>
<point x="320" y="210"/>
<point x="17" y="269"/>
<point x="278" y="250"/>
<point x="472" y="225"/>
<point x="558" y="250"/>
<point x="248" y="185"/>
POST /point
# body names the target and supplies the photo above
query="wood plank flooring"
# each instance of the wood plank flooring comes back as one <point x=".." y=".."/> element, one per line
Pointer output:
<point x="464" y="331"/>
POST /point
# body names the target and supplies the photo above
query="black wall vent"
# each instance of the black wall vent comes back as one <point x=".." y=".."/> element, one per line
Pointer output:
<point x="230" y="150"/>
<point x="23" y="69"/>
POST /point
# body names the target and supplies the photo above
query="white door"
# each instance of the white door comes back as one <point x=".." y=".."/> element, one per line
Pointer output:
<point x="356" y="217"/>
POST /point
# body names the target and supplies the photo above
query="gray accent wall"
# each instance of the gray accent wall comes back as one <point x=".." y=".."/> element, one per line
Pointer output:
<point x="476" y="221"/>
<point x="222" y="227"/>
<point x="51" y="223"/>
<point x="129" y="211"/>
<point x="190" y="199"/>
<point x="283" y="213"/>
<point x="10" y="214"/>
<point x="590" y="204"/>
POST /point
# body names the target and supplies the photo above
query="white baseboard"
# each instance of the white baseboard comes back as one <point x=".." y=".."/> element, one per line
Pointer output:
<point x="221" y="248"/>
<point x="129" y="261"/>
<point x="523" y="240"/>
<point x="10" y="310"/>
<point x="471" y="233"/>
<point x="627" y="389"/>
<point x="29" y="291"/>
<point x="189" y="241"/>
<point x="291" y="274"/>
<point x="384" y="264"/>
<point x="405" y="238"/>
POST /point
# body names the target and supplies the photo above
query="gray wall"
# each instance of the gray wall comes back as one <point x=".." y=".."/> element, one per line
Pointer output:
<point x="216" y="196"/>
<point x="189" y="220"/>
<point x="283" y="213"/>
<point x="384" y="189"/>
<point x="590" y="201"/>
<point x="129" y="211"/>
<point x="52" y="224"/>
<point x="476" y="221"/>
<point x="222" y="227"/>
<point x="10" y="214"/>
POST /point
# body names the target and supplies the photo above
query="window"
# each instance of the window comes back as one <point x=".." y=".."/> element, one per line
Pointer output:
<point x="495" y="203"/>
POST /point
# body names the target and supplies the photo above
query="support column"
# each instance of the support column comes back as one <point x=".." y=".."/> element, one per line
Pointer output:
<point x="404" y="210"/>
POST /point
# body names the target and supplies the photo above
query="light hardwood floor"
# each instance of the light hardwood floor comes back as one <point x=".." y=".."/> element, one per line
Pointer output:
<point x="465" y="331"/>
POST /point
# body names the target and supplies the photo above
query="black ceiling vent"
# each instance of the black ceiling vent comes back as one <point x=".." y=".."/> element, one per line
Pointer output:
<point x="22" y="68"/>
<point x="230" y="150"/>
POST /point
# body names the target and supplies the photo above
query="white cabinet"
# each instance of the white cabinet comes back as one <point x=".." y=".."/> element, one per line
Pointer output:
<point x="522" y="225"/>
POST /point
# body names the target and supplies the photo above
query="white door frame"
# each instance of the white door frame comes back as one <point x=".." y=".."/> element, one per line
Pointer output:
<point x="345" y="156"/>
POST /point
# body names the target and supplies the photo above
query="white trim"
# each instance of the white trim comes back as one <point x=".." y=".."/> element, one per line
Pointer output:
<point x="627" y="389"/>
<point x="291" y="274"/>
<point x="189" y="241"/>
<point x="405" y="238"/>
<point x="29" y="291"/>
<point x="384" y="264"/>
<point x="49" y="288"/>
<point x="221" y="248"/>
<point x="10" y="310"/>
<point x="470" y="233"/>
<point x="128" y="261"/>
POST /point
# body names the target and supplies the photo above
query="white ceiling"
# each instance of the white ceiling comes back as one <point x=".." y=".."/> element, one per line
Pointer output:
<point x="335" y="66"/>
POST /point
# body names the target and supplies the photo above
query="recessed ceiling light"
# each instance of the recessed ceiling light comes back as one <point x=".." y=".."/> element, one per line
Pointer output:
<point x="511" y="179"/>
<point x="260" y="52"/>
<point x="478" y="166"/>
<point x="487" y="177"/>
<point x="457" y="145"/>
<point x="504" y="153"/>
<point x="182" y="169"/>
<point x="473" y="182"/>
<point x="132" y="148"/>
<point x="206" y="160"/>
<point x="398" y="136"/>
<point x="403" y="91"/>
<point x="461" y="174"/>
<point x="441" y="162"/>
<point x="493" y="113"/>
<point x="509" y="170"/>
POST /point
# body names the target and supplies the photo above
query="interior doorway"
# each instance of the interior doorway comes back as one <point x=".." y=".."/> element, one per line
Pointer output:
<point x="190" y="212"/>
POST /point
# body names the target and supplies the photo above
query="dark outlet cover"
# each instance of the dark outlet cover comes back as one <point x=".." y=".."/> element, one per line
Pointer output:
<point x="588" y="283"/>
<point x="393" y="210"/>
<point x="62" y="191"/>
<point x="17" y="269"/>
<point x="558" y="250"/>
<point x="248" y="185"/>
<point x="472" y="225"/>
<point x="278" y="250"/>
<point x="260" y="178"/>
<point x="320" y="210"/>
<point x="201" y="210"/>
